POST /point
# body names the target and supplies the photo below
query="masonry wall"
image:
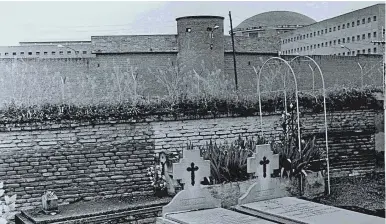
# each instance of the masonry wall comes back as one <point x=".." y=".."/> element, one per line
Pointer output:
<point x="338" y="71"/>
<point x="87" y="161"/>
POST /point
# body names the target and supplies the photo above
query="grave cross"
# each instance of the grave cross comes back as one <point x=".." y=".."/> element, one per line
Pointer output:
<point x="264" y="162"/>
<point x="265" y="157"/>
<point x="192" y="169"/>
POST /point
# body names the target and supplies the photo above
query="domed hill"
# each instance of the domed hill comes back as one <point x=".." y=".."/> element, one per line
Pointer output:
<point x="274" y="19"/>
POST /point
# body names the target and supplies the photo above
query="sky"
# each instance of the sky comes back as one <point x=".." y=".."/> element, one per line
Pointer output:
<point x="79" y="20"/>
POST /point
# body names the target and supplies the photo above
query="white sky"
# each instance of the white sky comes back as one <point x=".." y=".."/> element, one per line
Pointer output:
<point x="77" y="20"/>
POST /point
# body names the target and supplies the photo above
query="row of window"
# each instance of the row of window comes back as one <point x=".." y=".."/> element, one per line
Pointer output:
<point x="297" y="50"/>
<point x="339" y="41"/>
<point x="331" y="29"/>
<point x="44" y="53"/>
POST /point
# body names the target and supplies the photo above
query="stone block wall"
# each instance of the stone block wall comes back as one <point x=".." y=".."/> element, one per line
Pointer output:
<point x="80" y="160"/>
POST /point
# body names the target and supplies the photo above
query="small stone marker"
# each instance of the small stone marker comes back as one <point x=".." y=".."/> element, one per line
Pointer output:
<point x="191" y="169"/>
<point x="262" y="164"/>
<point x="50" y="203"/>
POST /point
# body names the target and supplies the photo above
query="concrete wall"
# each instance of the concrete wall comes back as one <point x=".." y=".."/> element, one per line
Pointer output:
<point x="108" y="159"/>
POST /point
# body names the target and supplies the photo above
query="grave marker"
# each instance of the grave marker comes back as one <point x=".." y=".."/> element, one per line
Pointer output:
<point x="267" y="199"/>
<point x="195" y="204"/>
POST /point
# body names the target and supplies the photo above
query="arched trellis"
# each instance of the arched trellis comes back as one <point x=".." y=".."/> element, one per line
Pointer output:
<point x="297" y="102"/>
<point x="325" y="110"/>
<point x="296" y="95"/>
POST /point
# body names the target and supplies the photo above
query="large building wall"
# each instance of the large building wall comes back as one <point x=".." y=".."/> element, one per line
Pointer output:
<point x="200" y="40"/>
<point x="108" y="78"/>
<point x="82" y="160"/>
<point x="354" y="30"/>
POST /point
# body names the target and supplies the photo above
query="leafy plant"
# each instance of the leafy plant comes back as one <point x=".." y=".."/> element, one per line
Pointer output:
<point x="229" y="161"/>
<point x="7" y="207"/>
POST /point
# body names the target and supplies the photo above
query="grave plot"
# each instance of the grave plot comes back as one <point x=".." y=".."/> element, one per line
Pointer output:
<point x="195" y="204"/>
<point x="267" y="199"/>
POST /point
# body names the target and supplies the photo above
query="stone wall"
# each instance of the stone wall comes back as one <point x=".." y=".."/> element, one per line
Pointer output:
<point x="108" y="77"/>
<point x="84" y="160"/>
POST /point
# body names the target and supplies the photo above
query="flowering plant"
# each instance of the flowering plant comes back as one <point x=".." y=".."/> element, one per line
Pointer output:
<point x="157" y="178"/>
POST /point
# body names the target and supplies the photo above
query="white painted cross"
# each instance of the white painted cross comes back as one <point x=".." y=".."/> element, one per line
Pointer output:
<point x="191" y="169"/>
<point x="263" y="162"/>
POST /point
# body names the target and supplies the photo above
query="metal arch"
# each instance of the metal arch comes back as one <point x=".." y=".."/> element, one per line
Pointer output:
<point x="296" y="96"/>
<point x="325" y="114"/>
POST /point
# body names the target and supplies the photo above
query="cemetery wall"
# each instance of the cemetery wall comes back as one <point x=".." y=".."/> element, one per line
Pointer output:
<point x="81" y="160"/>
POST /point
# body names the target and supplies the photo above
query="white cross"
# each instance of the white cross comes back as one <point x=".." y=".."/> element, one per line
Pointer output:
<point x="263" y="162"/>
<point x="191" y="169"/>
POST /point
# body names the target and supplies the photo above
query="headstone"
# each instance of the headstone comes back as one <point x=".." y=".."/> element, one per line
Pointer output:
<point x="262" y="164"/>
<point x="195" y="204"/>
<point x="267" y="199"/>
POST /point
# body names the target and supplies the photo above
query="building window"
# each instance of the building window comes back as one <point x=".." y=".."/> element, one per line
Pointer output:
<point x="29" y="53"/>
<point x="85" y="52"/>
<point x="61" y="52"/>
<point x="375" y="50"/>
<point x="310" y="34"/>
<point x="334" y="28"/>
<point x="304" y="36"/>
<point x="308" y="48"/>
<point x="314" y="33"/>
<point x="330" y="42"/>
<point x="338" y="41"/>
<point x="314" y="46"/>
<point x="368" y="20"/>
<point x="311" y="47"/>
<point x="358" y="51"/>
<point x="329" y="29"/>
<point x="318" y="32"/>
<point x="322" y="44"/>
<point x="358" y="22"/>
<point x="349" y="53"/>
<point x="358" y="37"/>
<point x="334" y="42"/>
<point x="13" y="53"/>
<point x="348" y="25"/>
<point x="344" y="54"/>
<point x="53" y="53"/>
<point x="363" y="36"/>
<point x="364" y="51"/>
<point x="353" y="53"/>
<point x="374" y="18"/>
<point x="307" y="35"/>
<point x="375" y="34"/>
<point x="363" y="21"/>
<point x="348" y="39"/>
<point x="325" y="30"/>
<point x="68" y="52"/>
<point x="188" y="30"/>
<point x="338" y="27"/>
<point x="338" y="54"/>
<point x="352" y="24"/>
<point x="6" y="53"/>
<point x="343" y="26"/>
<point x="321" y="32"/>
<point x="368" y="35"/>
<point x="45" y="53"/>
<point x="37" y="53"/>
<point x="369" y="51"/>
<point x="343" y="40"/>
<point x="353" y="39"/>
<point x="22" y="53"/>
